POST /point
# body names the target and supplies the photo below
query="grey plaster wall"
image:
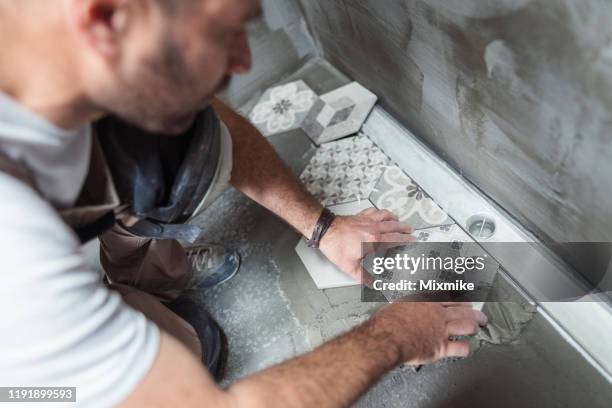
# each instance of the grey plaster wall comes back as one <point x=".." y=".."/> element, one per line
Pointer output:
<point x="516" y="94"/>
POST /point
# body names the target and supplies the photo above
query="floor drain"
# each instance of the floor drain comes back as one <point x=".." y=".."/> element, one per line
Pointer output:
<point x="481" y="226"/>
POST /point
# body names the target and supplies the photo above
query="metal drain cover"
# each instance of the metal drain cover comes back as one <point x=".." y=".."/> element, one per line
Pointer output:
<point x="481" y="226"/>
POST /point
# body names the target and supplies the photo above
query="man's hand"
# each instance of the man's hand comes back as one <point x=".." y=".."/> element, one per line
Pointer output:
<point x="342" y="244"/>
<point x="422" y="330"/>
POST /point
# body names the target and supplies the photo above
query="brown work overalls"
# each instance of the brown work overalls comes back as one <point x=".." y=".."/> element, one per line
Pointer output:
<point x="144" y="271"/>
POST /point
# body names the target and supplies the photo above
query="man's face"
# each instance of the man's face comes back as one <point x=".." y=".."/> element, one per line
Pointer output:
<point x="172" y="65"/>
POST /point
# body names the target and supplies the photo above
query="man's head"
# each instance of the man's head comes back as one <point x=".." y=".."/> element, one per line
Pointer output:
<point x="154" y="63"/>
<point x="158" y="62"/>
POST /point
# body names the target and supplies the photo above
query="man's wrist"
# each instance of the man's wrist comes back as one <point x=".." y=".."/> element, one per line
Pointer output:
<point x="383" y="341"/>
<point x="309" y="218"/>
<point x="322" y="225"/>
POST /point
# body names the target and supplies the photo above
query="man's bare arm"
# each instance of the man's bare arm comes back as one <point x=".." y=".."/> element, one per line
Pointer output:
<point x="262" y="175"/>
<point x="334" y="375"/>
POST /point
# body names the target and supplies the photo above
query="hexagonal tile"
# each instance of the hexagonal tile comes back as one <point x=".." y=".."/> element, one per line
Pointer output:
<point x="283" y="108"/>
<point x="339" y="113"/>
<point x="397" y="192"/>
<point x="345" y="170"/>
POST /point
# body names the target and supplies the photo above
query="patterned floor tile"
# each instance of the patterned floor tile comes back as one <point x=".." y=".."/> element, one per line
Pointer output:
<point x="398" y="193"/>
<point x="444" y="233"/>
<point x="283" y="108"/>
<point x="339" y="113"/>
<point x="345" y="170"/>
<point x="447" y="241"/>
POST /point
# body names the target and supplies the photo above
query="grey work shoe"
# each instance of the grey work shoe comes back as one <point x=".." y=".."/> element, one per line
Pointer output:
<point x="212" y="265"/>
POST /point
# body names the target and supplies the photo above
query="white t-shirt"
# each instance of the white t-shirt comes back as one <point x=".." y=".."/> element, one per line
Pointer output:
<point x="59" y="325"/>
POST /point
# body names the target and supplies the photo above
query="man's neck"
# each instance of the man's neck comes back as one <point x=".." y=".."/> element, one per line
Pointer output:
<point x="40" y="75"/>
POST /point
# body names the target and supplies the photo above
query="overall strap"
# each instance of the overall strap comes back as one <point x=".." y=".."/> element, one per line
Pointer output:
<point x="17" y="170"/>
<point x="93" y="212"/>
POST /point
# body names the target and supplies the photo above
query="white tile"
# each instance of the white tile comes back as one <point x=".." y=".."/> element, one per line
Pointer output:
<point x="326" y="115"/>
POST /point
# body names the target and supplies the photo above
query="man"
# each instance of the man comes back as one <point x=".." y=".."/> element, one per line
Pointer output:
<point x="156" y="64"/>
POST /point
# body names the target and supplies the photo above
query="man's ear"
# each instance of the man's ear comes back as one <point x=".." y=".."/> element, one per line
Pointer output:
<point x="102" y="23"/>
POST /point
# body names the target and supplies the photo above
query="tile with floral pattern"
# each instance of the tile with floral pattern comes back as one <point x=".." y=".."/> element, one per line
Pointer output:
<point x="450" y="233"/>
<point x="283" y="108"/>
<point x="443" y="242"/>
<point x="398" y="193"/>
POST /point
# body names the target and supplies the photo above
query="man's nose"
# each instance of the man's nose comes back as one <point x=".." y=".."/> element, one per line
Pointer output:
<point x="240" y="55"/>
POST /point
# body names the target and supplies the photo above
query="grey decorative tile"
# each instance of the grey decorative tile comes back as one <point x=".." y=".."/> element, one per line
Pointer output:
<point x="451" y="235"/>
<point x="339" y="113"/>
<point x="345" y="170"/>
<point x="398" y="193"/>
<point x="443" y="233"/>
<point x="283" y="108"/>
<point x="444" y="242"/>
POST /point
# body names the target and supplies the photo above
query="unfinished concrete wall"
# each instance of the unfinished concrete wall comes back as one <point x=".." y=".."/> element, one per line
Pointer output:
<point x="280" y="44"/>
<point x="516" y="94"/>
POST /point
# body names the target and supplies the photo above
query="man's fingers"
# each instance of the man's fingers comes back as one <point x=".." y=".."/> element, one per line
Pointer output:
<point x="481" y="318"/>
<point x="462" y="313"/>
<point x="383" y="247"/>
<point x="462" y="310"/>
<point x="367" y="248"/>
<point x="457" y="304"/>
<point x="367" y="279"/>
<point x="464" y="327"/>
<point x="395" y="237"/>
<point x="381" y="215"/>
<point x="457" y="349"/>
<point x="364" y="277"/>
<point x="368" y="211"/>
<point x="393" y="226"/>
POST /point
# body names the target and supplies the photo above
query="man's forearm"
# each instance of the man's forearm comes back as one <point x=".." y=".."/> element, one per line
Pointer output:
<point x="337" y="373"/>
<point x="334" y="375"/>
<point x="262" y="175"/>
